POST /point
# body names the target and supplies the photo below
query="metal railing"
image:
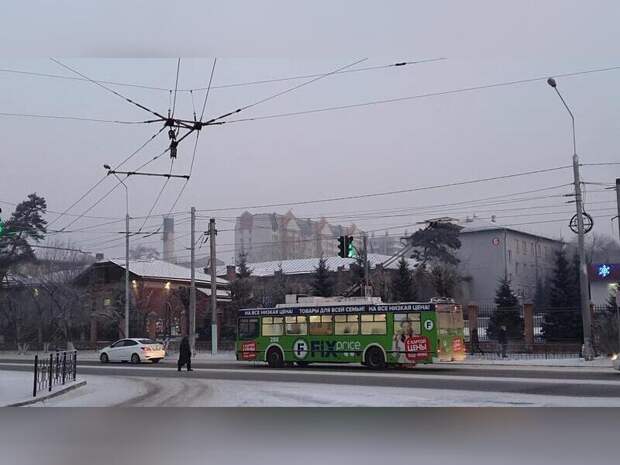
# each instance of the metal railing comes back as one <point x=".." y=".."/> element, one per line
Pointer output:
<point x="53" y="371"/>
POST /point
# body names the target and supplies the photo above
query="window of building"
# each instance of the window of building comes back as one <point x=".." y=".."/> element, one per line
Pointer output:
<point x="509" y="256"/>
<point x="248" y="328"/>
<point x="321" y="325"/>
<point x="517" y="244"/>
<point x="273" y="326"/>
<point x="296" y="325"/>
<point x="374" y="324"/>
<point x="346" y="324"/>
<point x="517" y="268"/>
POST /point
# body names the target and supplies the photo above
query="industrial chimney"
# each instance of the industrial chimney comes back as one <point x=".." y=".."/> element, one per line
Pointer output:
<point x="168" y="238"/>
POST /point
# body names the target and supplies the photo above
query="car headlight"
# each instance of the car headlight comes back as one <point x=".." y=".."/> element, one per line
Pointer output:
<point x="614" y="357"/>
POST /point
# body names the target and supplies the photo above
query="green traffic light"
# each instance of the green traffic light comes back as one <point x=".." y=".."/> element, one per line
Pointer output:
<point x="351" y="251"/>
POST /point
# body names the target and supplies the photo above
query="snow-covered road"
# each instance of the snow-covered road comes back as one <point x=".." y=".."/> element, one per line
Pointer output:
<point x="196" y="392"/>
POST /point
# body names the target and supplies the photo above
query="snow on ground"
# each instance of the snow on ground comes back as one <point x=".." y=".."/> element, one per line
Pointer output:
<point x="193" y="392"/>
<point x="15" y="386"/>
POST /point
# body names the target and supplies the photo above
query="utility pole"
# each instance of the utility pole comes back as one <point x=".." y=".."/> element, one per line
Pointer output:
<point x="618" y="284"/>
<point x="127" y="273"/>
<point x="366" y="282"/>
<point x="588" y="351"/>
<point x="214" y="330"/>
<point x="618" y="203"/>
<point x="192" y="288"/>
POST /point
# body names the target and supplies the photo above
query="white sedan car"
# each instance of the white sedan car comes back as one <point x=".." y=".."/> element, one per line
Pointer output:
<point x="134" y="350"/>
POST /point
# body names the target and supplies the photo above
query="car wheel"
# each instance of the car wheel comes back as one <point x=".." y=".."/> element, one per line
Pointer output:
<point x="104" y="358"/>
<point x="135" y="359"/>
<point x="375" y="359"/>
<point x="275" y="359"/>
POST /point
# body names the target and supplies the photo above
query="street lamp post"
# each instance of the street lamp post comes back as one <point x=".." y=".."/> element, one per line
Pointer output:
<point x="110" y="171"/>
<point x="588" y="351"/>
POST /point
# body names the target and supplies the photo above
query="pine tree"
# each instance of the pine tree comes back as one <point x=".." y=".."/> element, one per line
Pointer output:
<point x="322" y="283"/>
<point x="506" y="313"/>
<point x="25" y="225"/>
<point x="562" y="319"/>
<point x="402" y="286"/>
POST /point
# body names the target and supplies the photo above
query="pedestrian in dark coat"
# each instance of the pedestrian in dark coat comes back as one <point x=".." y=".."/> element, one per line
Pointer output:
<point x="185" y="355"/>
<point x="474" y="342"/>
<point x="502" y="339"/>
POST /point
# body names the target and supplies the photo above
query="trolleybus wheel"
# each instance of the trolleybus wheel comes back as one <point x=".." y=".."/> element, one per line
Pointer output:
<point x="374" y="358"/>
<point x="275" y="359"/>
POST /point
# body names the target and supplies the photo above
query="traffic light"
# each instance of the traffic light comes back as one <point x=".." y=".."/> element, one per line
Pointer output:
<point x="350" y="248"/>
<point x="342" y="246"/>
<point x="346" y="249"/>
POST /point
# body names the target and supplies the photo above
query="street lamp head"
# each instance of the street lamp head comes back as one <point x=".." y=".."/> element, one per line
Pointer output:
<point x="552" y="82"/>
<point x="107" y="167"/>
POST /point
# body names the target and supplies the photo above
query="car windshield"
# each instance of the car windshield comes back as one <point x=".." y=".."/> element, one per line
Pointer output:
<point x="147" y="341"/>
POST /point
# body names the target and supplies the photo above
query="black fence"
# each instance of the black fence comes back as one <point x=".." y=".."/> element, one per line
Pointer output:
<point x="542" y="332"/>
<point x="55" y="370"/>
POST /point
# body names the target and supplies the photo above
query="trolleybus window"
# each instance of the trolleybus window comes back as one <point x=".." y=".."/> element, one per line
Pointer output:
<point x="321" y="325"/>
<point x="374" y="324"/>
<point x="273" y="326"/>
<point x="296" y="325"/>
<point x="248" y="328"/>
<point x="346" y="324"/>
<point x="407" y="323"/>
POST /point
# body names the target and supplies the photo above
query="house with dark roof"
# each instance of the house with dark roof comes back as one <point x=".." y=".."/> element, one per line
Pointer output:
<point x="159" y="298"/>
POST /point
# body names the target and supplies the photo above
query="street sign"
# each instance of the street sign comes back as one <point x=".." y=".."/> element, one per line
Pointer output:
<point x="588" y="223"/>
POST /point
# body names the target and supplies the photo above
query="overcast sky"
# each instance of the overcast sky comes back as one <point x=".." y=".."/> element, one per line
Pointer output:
<point x="414" y="143"/>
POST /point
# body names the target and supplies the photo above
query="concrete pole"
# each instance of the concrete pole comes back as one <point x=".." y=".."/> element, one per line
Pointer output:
<point x="126" y="275"/>
<point x="213" y="260"/>
<point x="618" y="284"/>
<point x="618" y="204"/>
<point x="366" y="272"/>
<point x="586" y="317"/>
<point x="192" y="288"/>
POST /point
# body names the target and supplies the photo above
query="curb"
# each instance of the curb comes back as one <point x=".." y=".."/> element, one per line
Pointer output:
<point x="512" y="365"/>
<point x="34" y="400"/>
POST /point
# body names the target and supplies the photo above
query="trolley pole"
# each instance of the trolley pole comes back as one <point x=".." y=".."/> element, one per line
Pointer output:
<point x="192" y="288"/>
<point x="212" y="262"/>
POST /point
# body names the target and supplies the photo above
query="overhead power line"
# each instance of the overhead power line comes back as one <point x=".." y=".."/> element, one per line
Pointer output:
<point x="400" y="191"/>
<point x="73" y="118"/>
<point x="421" y="96"/>
<point x="220" y="86"/>
<point x="103" y="178"/>
<point x="127" y="99"/>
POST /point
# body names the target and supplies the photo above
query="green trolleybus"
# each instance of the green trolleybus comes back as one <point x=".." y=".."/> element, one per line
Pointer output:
<point x="348" y="331"/>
